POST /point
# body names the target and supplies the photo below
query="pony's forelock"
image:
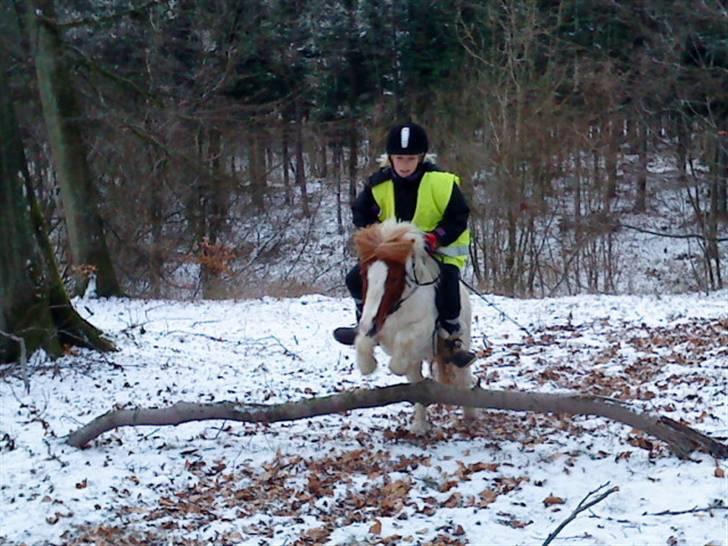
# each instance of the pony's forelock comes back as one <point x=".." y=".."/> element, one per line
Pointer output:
<point x="389" y="241"/>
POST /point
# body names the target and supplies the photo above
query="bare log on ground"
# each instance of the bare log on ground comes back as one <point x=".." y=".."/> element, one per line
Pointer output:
<point x="681" y="439"/>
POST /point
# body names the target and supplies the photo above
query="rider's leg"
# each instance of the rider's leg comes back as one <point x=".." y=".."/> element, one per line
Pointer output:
<point x="448" y="299"/>
<point x="448" y="308"/>
<point x="347" y="334"/>
<point x="356" y="288"/>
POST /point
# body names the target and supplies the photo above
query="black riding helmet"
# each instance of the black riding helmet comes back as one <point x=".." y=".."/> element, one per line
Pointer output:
<point x="407" y="139"/>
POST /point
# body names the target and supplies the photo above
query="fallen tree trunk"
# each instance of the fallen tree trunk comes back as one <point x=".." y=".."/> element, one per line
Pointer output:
<point x="681" y="439"/>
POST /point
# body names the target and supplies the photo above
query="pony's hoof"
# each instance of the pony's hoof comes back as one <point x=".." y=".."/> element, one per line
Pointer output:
<point x="367" y="365"/>
<point x="419" y="427"/>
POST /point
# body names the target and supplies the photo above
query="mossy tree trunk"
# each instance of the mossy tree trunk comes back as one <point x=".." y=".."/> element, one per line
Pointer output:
<point x="33" y="303"/>
<point x="62" y="115"/>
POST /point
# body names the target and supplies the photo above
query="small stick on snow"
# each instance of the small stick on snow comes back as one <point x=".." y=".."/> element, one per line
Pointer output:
<point x="583" y="505"/>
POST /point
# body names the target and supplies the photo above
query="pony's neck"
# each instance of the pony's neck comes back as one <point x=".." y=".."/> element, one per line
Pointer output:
<point x="425" y="268"/>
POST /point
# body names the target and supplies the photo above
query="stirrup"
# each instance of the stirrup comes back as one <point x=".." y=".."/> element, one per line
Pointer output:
<point x="458" y="356"/>
<point x="463" y="359"/>
<point x="346" y="335"/>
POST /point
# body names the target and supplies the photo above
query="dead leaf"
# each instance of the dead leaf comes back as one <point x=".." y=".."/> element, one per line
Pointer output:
<point x="376" y="528"/>
<point x="82" y="484"/>
<point x="454" y="501"/>
<point x="719" y="472"/>
<point x="552" y="500"/>
<point x="487" y="496"/>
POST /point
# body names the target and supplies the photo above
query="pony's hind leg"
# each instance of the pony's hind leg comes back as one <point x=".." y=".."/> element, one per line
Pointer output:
<point x="419" y="425"/>
<point x="463" y="379"/>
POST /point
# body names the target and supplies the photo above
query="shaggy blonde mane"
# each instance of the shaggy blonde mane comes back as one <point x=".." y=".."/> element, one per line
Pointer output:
<point x="388" y="241"/>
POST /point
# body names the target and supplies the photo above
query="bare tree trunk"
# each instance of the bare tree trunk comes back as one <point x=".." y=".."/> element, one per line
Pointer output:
<point x="712" y="252"/>
<point x="337" y="160"/>
<point x="155" y="221"/>
<point x="682" y="148"/>
<point x="640" y="204"/>
<point x="34" y="305"/>
<point x="611" y="163"/>
<point x="62" y="113"/>
<point x="256" y="161"/>
<point x="300" y="165"/>
<point x="323" y="170"/>
<point x="722" y="170"/>
<point x="681" y="439"/>
<point x="353" y="158"/>
<point x="286" y="163"/>
<point x="217" y="201"/>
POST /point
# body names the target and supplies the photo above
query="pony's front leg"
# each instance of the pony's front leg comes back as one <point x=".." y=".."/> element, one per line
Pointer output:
<point x="405" y="352"/>
<point x="419" y="425"/>
<point x="365" y="354"/>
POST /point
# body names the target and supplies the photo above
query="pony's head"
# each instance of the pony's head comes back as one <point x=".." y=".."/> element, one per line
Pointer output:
<point x="399" y="250"/>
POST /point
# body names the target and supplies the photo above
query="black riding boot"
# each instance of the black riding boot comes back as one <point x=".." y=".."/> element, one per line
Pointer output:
<point x="448" y="308"/>
<point x="347" y="334"/>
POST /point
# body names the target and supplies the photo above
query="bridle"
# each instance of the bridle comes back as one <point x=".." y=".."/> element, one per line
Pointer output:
<point x="415" y="283"/>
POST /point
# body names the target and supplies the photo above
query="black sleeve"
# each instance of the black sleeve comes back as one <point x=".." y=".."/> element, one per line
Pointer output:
<point x="364" y="209"/>
<point x="455" y="219"/>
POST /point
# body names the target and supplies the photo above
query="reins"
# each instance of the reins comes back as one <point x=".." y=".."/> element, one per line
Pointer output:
<point x="502" y="313"/>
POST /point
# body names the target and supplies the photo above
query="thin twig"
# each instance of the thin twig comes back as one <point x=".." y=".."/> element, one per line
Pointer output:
<point x="716" y="506"/>
<point x="583" y="505"/>
<point x="675" y="235"/>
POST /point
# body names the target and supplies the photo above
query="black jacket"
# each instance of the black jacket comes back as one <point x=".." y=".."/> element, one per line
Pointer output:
<point x="366" y="211"/>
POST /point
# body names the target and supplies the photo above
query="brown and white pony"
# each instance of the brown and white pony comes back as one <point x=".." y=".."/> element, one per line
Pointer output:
<point x="399" y="312"/>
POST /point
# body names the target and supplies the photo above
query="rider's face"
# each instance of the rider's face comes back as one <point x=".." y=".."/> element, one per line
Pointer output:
<point x="405" y="165"/>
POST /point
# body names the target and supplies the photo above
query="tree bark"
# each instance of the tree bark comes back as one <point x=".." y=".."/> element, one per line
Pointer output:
<point x="681" y="439"/>
<point x="34" y="305"/>
<point x="298" y="151"/>
<point x="62" y="115"/>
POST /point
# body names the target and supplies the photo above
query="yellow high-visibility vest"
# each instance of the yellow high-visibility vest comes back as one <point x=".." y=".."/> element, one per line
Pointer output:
<point x="433" y="195"/>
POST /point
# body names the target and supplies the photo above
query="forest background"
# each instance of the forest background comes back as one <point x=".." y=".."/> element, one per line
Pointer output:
<point x="211" y="148"/>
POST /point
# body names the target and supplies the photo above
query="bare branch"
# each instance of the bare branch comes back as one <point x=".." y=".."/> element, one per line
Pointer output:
<point x="583" y="505"/>
<point x="675" y="235"/>
<point x="716" y="506"/>
<point x="681" y="439"/>
<point x="89" y="21"/>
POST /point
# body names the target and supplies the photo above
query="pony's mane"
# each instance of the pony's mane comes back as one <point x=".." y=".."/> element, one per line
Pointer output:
<point x="389" y="241"/>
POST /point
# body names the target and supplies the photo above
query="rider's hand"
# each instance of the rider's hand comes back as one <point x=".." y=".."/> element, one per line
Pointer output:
<point x="431" y="242"/>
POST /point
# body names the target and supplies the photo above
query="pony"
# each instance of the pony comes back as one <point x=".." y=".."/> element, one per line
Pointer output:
<point x="399" y="313"/>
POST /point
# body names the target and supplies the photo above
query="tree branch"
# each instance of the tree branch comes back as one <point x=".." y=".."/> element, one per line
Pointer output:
<point x="583" y="505"/>
<point x="88" y="21"/>
<point x="681" y="439"/>
<point x="674" y="235"/>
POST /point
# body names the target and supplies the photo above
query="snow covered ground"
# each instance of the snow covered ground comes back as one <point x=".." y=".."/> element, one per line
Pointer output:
<point x="361" y="478"/>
